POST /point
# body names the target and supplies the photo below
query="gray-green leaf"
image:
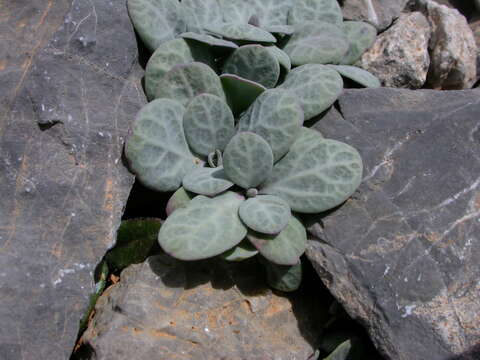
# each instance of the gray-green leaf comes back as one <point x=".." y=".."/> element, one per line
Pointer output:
<point x="283" y="278"/>
<point x="277" y="117"/>
<point x="157" y="150"/>
<point x="315" y="10"/>
<point x="255" y="63"/>
<point x="184" y="82"/>
<point x="341" y="352"/>
<point x="206" y="227"/>
<point x="360" y="76"/>
<point x="242" y="251"/>
<point x="361" y="37"/>
<point x="284" y="248"/>
<point x="316" y="86"/>
<point x="169" y="54"/>
<point x="241" y="32"/>
<point x="248" y="160"/>
<point x="280" y="29"/>
<point x="157" y="21"/>
<point x="199" y="13"/>
<point x="317" y="43"/>
<point x="179" y="199"/>
<point x="282" y="57"/>
<point x="209" y="40"/>
<point x="316" y="175"/>
<point x="208" y="123"/>
<point x="266" y="214"/>
<point x="207" y="181"/>
<point x="241" y="93"/>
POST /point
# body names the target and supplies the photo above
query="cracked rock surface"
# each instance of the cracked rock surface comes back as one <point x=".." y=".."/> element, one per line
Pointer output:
<point x="402" y="254"/>
<point x="70" y="88"/>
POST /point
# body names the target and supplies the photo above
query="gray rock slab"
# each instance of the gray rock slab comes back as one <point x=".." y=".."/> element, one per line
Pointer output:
<point x="70" y="88"/>
<point x="399" y="57"/>
<point x="168" y="309"/>
<point x="402" y="254"/>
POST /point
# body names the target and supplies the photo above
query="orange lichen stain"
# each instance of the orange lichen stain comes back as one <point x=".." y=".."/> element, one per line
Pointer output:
<point x="109" y="196"/>
<point x="277" y="305"/>
<point x="433" y="237"/>
<point x="149" y="332"/>
<point x="57" y="250"/>
<point x="3" y="64"/>
<point x="476" y="202"/>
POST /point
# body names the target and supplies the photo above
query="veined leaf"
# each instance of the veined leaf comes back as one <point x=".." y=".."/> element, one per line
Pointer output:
<point x="266" y="214"/>
<point x="242" y="251"/>
<point x="199" y="13"/>
<point x="283" y="278"/>
<point x="207" y="181"/>
<point x="361" y="37"/>
<point x="179" y="199"/>
<point x="241" y="32"/>
<point x="315" y="10"/>
<point x="241" y="93"/>
<point x="360" y="76"/>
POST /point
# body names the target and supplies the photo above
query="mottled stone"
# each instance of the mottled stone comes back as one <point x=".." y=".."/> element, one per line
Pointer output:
<point x="399" y="57"/>
<point x="70" y="89"/>
<point x="402" y="254"/>
<point x="453" y="52"/>
<point x="379" y="13"/>
<point x="168" y="309"/>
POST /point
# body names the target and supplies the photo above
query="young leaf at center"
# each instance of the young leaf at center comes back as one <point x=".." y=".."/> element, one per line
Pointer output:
<point x="206" y="227"/>
<point x="266" y="214"/>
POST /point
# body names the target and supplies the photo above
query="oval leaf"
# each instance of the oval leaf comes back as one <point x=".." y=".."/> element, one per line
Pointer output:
<point x="237" y="11"/>
<point x="283" y="278"/>
<point x="184" y="82"/>
<point x="205" y="228"/>
<point x="361" y="37"/>
<point x="255" y="63"/>
<point x="248" y="160"/>
<point x="277" y="117"/>
<point x="199" y="13"/>
<point x="316" y="86"/>
<point x="207" y="181"/>
<point x="169" y="54"/>
<point x="179" y="199"/>
<point x="316" y="175"/>
<point x="266" y="214"/>
<point x="282" y="58"/>
<point x="209" y="40"/>
<point x="271" y="12"/>
<point x="157" y="21"/>
<point x="241" y="93"/>
<point x="317" y="43"/>
<point x="315" y="10"/>
<point x="280" y="29"/>
<point x="242" y="251"/>
<point x="360" y="76"/>
<point x="284" y="248"/>
<point x="241" y="32"/>
<point x="341" y="352"/>
<point x="208" y="123"/>
<point x="157" y="150"/>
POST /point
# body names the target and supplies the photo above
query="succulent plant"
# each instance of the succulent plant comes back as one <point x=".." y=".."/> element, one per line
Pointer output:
<point x="231" y="83"/>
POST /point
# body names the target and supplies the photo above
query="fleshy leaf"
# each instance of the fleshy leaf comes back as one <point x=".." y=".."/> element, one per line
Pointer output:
<point x="277" y="117"/>
<point x="157" y="150"/>
<point x="241" y="93"/>
<point x="316" y="175"/>
<point x="341" y="352"/>
<point x="199" y="13"/>
<point x="207" y="181"/>
<point x="283" y="278"/>
<point x="317" y="43"/>
<point x="206" y="227"/>
<point x="316" y="86"/>
<point x="271" y="12"/>
<point x="237" y="11"/>
<point x="280" y="29"/>
<point x="209" y="40"/>
<point x="255" y="63"/>
<point x="241" y="32"/>
<point x="208" y="123"/>
<point x="157" y="21"/>
<point x="315" y="10"/>
<point x="282" y="57"/>
<point x="179" y="199"/>
<point x="184" y="82"/>
<point x="168" y="55"/>
<point x="360" y="76"/>
<point x="247" y="160"/>
<point x="361" y="37"/>
<point x="266" y="214"/>
<point x="242" y="251"/>
<point x="284" y="248"/>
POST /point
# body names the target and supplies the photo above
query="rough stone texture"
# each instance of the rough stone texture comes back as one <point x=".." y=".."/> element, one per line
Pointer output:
<point x="475" y="26"/>
<point x="399" y="57"/>
<point x="402" y="254"/>
<point x="453" y="52"/>
<point x="379" y="13"/>
<point x="69" y="90"/>
<point x="167" y="309"/>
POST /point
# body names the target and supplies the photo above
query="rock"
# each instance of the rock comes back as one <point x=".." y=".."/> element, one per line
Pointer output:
<point x="402" y="254"/>
<point x="70" y="89"/>
<point x="399" y="57"/>
<point x="379" y="13"/>
<point x="475" y="26"/>
<point x="168" y="309"/>
<point x="453" y="51"/>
